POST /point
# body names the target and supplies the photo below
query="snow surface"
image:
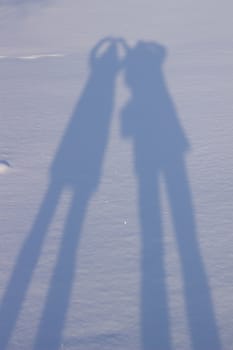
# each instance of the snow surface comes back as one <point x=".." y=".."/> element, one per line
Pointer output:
<point x="116" y="175"/>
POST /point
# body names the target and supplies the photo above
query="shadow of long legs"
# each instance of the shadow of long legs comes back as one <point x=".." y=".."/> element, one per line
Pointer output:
<point x="77" y="164"/>
<point x="26" y="262"/>
<point x="160" y="144"/>
<point x="58" y="298"/>
<point x="199" y="306"/>
<point x="154" y="306"/>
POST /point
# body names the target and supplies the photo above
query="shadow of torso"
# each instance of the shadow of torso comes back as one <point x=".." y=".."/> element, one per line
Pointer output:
<point x="79" y="158"/>
<point x="150" y="117"/>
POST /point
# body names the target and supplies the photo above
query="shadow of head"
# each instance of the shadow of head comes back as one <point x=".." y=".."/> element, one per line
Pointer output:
<point x="143" y="63"/>
<point x="105" y="56"/>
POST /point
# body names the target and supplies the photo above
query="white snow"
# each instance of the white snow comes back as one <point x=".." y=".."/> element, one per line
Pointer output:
<point x="116" y="175"/>
<point x="4" y="167"/>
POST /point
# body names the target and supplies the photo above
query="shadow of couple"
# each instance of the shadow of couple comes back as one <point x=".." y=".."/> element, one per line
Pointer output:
<point x="149" y="119"/>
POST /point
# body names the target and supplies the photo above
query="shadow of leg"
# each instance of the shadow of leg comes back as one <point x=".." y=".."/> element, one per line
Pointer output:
<point x="25" y="264"/>
<point x="202" y="322"/>
<point x="53" y="319"/>
<point x="154" y="308"/>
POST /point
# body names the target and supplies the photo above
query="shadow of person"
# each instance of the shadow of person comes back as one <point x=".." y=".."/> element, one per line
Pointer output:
<point x="160" y="145"/>
<point x="78" y="166"/>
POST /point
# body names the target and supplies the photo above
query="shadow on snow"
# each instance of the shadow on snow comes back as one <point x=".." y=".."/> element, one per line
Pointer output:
<point x="149" y="119"/>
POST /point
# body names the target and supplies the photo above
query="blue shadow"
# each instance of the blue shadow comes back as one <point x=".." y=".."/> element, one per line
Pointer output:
<point x="160" y="147"/>
<point x="77" y="165"/>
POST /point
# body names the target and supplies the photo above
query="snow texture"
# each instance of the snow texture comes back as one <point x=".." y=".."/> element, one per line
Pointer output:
<point x="116" y="175"/>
